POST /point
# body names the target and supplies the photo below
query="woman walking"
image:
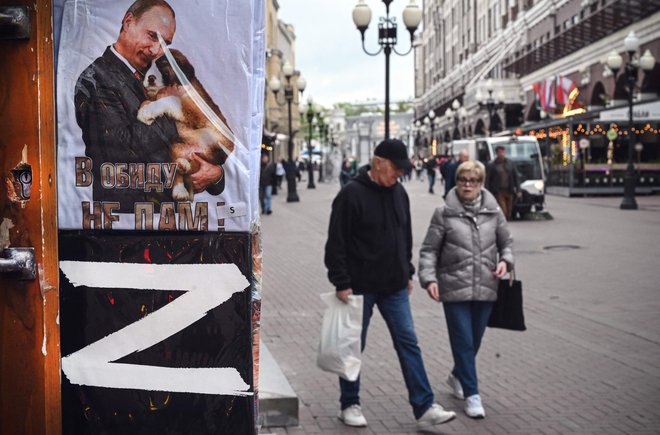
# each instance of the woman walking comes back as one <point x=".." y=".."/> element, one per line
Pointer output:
<point x="468" y="247"/>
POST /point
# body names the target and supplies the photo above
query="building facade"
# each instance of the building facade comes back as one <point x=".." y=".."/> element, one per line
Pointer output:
<point x="540" y="65"/>
<point x="280" y="48"/>
<point x="366" y="130"/>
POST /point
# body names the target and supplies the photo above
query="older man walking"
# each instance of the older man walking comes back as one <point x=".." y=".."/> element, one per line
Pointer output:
<point x="369" y="252"/>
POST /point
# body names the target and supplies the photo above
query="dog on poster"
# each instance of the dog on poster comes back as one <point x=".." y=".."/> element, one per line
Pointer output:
<point x="199" y="135"/>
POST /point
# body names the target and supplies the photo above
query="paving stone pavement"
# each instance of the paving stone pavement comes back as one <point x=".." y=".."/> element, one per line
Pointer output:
<point x="589" y="362"/>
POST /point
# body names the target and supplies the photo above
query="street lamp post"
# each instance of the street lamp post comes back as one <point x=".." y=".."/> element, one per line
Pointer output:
<point x="323" y="139"/>
<point x="430" y="121"/>
<point x="310" y="165"/>
<point x="412" y="16"/>
<point x="631" y="68"/>
<point x="490" y="104"/>
<point x="456" y="115"/>
<point x="275" y="84"/>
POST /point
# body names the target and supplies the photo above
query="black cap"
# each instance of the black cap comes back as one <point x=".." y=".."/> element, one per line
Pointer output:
<point x="395" y="151"/>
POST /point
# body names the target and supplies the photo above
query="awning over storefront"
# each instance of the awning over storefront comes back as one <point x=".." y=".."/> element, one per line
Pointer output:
<point x="271" y="136"/>
<point x="642" y="112"/>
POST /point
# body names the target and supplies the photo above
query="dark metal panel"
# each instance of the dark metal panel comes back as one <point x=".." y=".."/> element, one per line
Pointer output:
<point x="14" y="22"/>
<point x="222" y="338"/>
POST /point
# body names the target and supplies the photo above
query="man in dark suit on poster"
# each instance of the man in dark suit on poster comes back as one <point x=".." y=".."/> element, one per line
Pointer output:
<point x="108" y="96"/>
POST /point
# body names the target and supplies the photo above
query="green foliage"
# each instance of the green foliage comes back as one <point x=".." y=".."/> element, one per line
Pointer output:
<point x="403" y="106"/>
<point x="353" y="109"/>
<point x="356" y="109"/>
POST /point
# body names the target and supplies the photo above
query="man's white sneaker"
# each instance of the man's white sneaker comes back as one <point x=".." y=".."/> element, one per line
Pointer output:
<point x="433" y="416"/>
<point x="473" y="407"/>
<point x="455" y="385"/>
<point x="352" y="416"/>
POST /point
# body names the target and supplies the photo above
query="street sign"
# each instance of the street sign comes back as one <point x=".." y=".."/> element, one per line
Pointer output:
<point x="611" y="134"/>
<point x="584" y="143"/>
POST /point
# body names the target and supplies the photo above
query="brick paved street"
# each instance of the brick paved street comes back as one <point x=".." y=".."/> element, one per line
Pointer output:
<point x="589" y="362"/>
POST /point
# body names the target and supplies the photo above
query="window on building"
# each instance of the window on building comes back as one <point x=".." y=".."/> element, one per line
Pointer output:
<point x="575" y="19"/>
<point x="490" y="21"/>
<point x="479" y="29"/>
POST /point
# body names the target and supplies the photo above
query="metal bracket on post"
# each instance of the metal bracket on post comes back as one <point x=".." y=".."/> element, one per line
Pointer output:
<point x="14" y="22"/>
<point x="19" y="263"/>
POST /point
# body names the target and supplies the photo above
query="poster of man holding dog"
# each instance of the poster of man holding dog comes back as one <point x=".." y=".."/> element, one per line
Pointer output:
<point x="156" y="121"/>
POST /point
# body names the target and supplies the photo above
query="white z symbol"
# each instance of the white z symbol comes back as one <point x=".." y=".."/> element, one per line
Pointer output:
<point x="207" y="286"/>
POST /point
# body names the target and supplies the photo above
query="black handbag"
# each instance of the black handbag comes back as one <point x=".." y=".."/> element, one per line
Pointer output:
<point x="508" y="309"/>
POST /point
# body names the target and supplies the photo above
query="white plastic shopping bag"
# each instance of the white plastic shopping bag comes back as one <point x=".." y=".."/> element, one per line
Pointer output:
<point x="339" y="347"/>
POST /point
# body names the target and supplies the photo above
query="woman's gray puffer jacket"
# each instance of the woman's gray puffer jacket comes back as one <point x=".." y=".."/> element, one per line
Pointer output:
<point x="460" y="252"/>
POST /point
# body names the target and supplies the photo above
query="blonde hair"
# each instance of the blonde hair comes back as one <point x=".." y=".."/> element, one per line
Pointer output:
<point x="471" y="166"/>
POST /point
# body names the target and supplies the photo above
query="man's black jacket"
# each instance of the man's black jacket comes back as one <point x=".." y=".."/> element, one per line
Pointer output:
<point x="369" y="247"/>
<point x="493" y="177"/>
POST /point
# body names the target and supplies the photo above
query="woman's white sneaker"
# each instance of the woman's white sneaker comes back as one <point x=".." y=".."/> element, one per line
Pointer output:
<point x="352" y="416"/>
<point x="473" y="407"/>
<point x="455" y="385"/>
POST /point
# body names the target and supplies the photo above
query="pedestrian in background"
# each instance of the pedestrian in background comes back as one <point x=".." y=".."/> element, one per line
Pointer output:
<point x="502" y="181"/>
<point x="346" y="172"/>
<point x="448" y="170"/>
<point x="419" y="166"/>
<point x="467" y="249"/>
<point x="300" y="170"/>
<point x="279" y="175"/>
<point x="430" y="171"/>
<point x="266" y="182"/>
<point x="369" y="252"/>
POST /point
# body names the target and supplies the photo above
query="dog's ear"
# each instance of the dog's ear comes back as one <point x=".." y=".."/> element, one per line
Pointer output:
<point x="184" y="64"/>
<point x="166" y="71"/>
<point x="162" y="63"/>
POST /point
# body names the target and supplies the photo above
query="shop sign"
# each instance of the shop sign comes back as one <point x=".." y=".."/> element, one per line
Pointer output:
<point x="641" y="112"/>
<point x="612" y="134"/>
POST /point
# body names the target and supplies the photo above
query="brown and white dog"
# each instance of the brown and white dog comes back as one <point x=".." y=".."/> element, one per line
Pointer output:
<point x="199" y="135"/>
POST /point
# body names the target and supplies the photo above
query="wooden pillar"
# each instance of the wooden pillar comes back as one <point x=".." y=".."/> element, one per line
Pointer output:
<point x="29" y="331"/>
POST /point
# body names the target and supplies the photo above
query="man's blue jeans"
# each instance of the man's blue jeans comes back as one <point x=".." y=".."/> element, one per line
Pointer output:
<point x="466" y="324"/>
<point x="395" y="309"/>
<point x="431" y="175"/>
<point x="266" y="198"/>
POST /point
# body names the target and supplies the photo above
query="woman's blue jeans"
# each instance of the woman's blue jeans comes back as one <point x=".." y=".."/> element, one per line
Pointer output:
<point x="466" y="324"/>
<point x="395" y="309"/>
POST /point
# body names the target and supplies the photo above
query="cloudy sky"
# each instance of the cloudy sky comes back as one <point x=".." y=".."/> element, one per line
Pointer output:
<point x="329" y="52"/>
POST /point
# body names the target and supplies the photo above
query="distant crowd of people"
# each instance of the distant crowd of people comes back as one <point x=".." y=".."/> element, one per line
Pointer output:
<point x="501" y="178"/>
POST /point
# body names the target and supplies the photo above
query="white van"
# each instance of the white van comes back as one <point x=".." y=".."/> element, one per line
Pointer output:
<point x="525" y="153"/>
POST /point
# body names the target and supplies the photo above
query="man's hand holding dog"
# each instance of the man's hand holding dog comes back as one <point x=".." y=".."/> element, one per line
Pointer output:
<point x="206" y="175"/>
